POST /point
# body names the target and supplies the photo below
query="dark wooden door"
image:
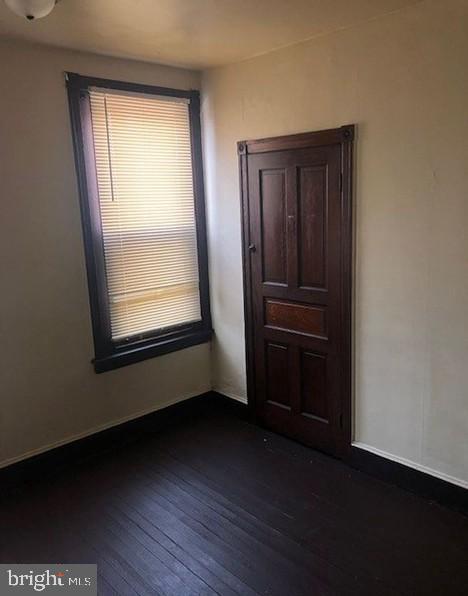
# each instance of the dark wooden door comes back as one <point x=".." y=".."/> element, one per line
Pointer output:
<point x="297" y="261"/>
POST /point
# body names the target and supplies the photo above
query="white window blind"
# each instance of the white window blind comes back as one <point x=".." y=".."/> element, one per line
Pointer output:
<point x="144" y="175"/>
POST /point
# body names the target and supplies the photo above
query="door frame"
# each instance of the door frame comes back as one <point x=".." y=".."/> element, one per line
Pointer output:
<point x="343" y="136"/>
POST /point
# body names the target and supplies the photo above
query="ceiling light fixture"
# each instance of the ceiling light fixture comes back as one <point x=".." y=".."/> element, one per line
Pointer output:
<point x="31" y="9"/>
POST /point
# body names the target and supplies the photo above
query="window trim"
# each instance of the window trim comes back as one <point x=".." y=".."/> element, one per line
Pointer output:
<point x="108" y="354"/>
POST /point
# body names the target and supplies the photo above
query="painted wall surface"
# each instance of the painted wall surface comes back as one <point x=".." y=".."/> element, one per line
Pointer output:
<point x="48" y="390"/>
<point x="403" y="80"/>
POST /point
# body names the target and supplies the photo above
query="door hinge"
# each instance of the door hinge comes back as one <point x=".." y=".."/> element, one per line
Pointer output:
<point x="341" y="420"/>
<point x="341" y="182"/>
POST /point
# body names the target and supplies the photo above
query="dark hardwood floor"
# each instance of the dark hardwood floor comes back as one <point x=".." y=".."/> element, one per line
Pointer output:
<point x="214" y="505"/>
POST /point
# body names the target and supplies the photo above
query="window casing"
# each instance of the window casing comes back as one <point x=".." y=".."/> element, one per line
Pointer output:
<point x="139" y="166"/>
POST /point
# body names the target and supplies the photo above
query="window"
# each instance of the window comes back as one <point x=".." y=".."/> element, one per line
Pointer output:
<point x="138" y="158"/>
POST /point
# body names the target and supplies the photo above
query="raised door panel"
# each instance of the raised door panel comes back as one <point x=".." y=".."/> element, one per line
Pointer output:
<point x="314" y="402"/>
<point x="277" y="375"/>
<point x="296" y="318"/>
<point x="312" y="224"/>
<point x="273" y="226"/>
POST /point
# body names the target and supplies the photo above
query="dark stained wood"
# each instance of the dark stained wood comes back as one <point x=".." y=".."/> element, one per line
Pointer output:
<point x="296" y="216"/>
<point x="110" y="354"/>
<point x="211" y="504"/>
<point x="277" y="377"/>
<point x="415" y="481"/>
<point x="312" y="226"/>
<point x="314" y="386"/>
<point x="298" y="141"/>
<point x="273" y="233"/>
<point x="295" y="317"/>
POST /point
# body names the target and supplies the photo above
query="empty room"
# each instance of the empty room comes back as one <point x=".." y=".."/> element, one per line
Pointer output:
<point x="234" y="297"/>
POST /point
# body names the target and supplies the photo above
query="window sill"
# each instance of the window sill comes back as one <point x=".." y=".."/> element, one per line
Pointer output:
<point x="160" y="347"/>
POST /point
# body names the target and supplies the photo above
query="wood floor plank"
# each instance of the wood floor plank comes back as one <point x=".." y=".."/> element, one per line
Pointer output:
<point x="368" y="545"/>
<point x="284" y="574"/>
<point x="214" y="505"/>
<point x="199" y="569"/>
<point x="289" y="530"/>
<point x="158" y="522"/>
<point x="280" y="558"/>
<point x="287" y="547"/>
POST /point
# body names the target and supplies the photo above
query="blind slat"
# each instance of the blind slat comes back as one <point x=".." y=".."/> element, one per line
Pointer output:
<point x="143" y="161"/>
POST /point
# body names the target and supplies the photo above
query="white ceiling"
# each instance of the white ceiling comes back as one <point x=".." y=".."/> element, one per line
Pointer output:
<point x="193" y="33"/>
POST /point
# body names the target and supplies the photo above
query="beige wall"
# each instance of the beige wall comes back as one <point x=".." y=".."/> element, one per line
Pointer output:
<point x="403" y="79"/>
<point x="48" y="390"/>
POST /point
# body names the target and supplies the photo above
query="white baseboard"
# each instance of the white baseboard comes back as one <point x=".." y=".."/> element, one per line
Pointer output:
<point x="227" y="393"/>
<point x="96" y="429"/>
<point x="411" y="464"/>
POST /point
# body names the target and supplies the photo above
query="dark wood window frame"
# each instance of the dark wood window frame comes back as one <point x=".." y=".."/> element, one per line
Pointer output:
<point x="109" y="354"/>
